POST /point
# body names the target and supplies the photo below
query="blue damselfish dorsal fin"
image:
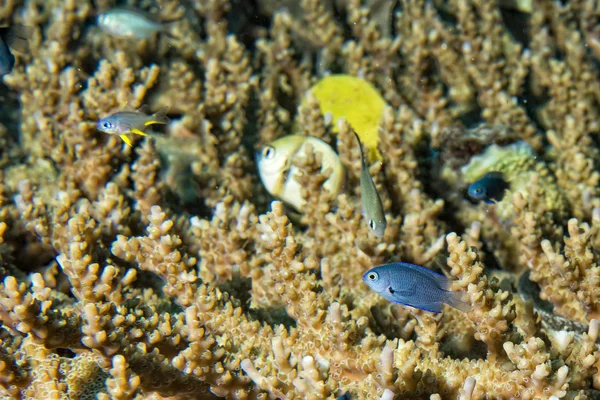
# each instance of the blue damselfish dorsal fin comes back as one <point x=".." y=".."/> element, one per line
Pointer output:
<point x="442" y="281"/>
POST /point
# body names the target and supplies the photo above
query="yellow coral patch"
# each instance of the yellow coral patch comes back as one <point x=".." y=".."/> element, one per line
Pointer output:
<point x="356" y="100"/>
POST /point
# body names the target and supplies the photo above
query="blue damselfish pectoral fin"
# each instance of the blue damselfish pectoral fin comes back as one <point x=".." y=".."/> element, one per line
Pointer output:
<point x="403" y="291"/>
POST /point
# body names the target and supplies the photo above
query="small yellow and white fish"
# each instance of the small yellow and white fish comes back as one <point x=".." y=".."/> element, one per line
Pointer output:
<point x="124" y="123"/>
<point x="128" y="23"/>
<point x="371" y="202"/>
<point x="277" y="172"/>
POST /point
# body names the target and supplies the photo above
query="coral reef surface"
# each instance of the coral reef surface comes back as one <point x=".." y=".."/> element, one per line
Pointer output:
<point x="165" y="270"/>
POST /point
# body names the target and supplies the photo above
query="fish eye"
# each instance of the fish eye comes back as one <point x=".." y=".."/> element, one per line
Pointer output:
<point x="269" y="152"/>
<point x="372" y="224"/>
<point x="477" y="191"/>
<point x="373" y="276"/>
<point x="106" y="125"/>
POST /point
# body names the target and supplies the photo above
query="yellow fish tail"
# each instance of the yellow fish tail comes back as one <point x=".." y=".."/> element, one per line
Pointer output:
<point x="126" y="139"/>
<point x="159" y="117"/>
<point x="138" y="132"/>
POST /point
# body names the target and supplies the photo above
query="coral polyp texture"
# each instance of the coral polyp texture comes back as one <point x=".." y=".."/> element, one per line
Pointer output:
<point x="165" y="270"/>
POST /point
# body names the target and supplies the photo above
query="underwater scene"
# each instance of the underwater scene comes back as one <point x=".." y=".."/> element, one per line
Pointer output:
<point x="299" y="199"/>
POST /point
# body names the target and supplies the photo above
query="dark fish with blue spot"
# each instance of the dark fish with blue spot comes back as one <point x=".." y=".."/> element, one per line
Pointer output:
<point x="345" y="396"/>
<point x="489" y="189"/>
<point x="15" y="38"/>
<point x="414" y="286"/>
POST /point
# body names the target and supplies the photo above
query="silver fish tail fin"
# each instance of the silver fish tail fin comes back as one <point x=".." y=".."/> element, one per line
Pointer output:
<point x="455" y="299"/>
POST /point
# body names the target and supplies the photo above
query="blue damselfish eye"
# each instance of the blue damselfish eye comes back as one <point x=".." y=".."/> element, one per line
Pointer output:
<point x="106" y="124"/>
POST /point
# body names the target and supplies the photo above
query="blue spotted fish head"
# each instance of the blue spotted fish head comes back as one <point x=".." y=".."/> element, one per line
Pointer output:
<point x="108" y="125"/>
<point x="377" y="279"/>
<point x="478" y="190"/>
<point x="490" y="188"/>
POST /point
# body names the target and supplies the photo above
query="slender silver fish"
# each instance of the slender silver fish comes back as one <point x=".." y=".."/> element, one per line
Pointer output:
<point x="129" y="23"/>
<point x="414" y="286"/>
<point x="371" y="203"/>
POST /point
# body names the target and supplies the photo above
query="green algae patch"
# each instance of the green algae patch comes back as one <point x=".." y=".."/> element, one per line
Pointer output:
<point x="358" y="102"/>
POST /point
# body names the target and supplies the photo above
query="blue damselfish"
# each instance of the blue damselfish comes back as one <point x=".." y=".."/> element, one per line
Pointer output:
<point x="414" y="286"/>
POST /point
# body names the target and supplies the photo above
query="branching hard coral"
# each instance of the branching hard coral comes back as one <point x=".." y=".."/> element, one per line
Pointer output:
<point x="576" y="173"/>
<point x="548" y="269"/>
<point x="578" y="267"/>
<point x="167" y="262"/>
<point x="123" y="383"/>
<point x="147" y="188"/>
<point x="225" y="242"/>
<point x="497" y="66"/>
<point x="164" y="270"/>
<point x="326" y="34"/>
<point x="31" y="313"/>
<point x="422" y="89"/>
<point x="492" y="312"/>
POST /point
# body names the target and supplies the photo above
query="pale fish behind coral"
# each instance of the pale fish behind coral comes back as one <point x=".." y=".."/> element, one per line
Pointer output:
<point x="128" y="23"/>
<point x="277" y="172"/>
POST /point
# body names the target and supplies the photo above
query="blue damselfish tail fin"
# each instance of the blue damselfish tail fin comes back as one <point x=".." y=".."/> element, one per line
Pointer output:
<point x="455" y="299"/>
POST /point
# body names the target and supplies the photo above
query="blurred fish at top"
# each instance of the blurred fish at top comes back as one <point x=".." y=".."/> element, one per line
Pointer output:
<point x="490" y="188"/>
<point x="16" y="38"/>
<point x="128" y="23"/>
<point x="124" y="123"/>
<point x="414" y="286"/>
